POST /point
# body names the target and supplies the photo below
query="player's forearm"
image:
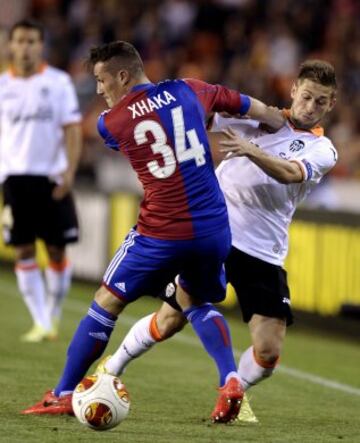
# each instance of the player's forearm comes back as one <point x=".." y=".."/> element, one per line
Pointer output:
<point x="73" y="143"/>
<point x="265" y="114"/>
<point x="283" y="171"/>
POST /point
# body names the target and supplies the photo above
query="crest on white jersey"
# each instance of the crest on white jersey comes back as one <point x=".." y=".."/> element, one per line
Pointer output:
<point x="297" y="145"/>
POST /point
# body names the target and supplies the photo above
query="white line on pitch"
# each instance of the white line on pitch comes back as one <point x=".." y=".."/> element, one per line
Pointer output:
<point x="81" y="307"/>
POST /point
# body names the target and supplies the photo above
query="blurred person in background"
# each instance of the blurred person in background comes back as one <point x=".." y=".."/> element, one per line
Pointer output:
<point x="263" y="177"/>
<point x="219" y="41"/>
<point x="40" y="145"/>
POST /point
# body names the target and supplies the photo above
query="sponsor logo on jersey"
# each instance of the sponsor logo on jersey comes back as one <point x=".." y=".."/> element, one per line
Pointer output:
<point x="284" y="155"/>
<point x="43" y="113"/>
<point x="121" y="286"/>
<point x="297" y="145"/>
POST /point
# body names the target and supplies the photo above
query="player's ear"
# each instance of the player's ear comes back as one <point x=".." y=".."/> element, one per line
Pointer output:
<point x="123" y="76"/>
<point x="332" y="103"/>
<point x="293" y="89"/>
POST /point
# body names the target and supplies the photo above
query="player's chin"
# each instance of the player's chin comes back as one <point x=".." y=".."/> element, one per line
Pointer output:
<point x="306" y="123"/>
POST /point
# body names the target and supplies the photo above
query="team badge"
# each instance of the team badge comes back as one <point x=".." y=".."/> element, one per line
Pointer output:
<point x="297" y="145"/>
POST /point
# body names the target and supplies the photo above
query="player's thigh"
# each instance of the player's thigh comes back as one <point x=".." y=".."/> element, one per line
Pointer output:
<point x="203" y="275"/>
<point x="261" y="287"/>
<point x="19" y="214"/>
<point x="141" y="266"/>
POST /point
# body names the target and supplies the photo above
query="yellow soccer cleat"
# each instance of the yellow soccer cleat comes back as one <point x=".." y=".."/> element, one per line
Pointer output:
<point x="246" y="414"/>
<point x="100" y="368"/>
<point x="37" y="334"/>
<point x="54" y="331"/>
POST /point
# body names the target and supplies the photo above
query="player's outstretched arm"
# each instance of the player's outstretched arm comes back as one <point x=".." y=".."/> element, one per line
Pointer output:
<point x="269" y="115"/>
<point x="284" y="171"/>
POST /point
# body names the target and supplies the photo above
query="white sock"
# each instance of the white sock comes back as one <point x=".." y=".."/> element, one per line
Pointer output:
<point x="31" y="285"/>
<point x="138" y="340"/>
<point x="58" y="283"/>
<point x="250" y="371"/>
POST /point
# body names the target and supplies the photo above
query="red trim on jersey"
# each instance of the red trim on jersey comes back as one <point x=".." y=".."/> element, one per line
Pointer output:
<point x="215" y="98"/>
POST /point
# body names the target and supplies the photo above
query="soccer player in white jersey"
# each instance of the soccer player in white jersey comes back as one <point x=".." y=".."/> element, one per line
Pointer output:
<point x="264" y="177"/>
<point x="40" y="144"/>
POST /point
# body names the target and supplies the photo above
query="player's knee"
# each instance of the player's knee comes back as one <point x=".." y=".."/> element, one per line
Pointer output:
<point x="267" y="352"/>
<point x="108" y="301"/>
<point x="56" y="253"/>
<point x="25" y="252"/>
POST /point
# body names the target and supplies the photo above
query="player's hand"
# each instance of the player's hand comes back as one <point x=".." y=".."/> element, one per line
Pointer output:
<point x="61" y="190"/>
<point x="275" y="120"/>
<point x="235" y="146"/>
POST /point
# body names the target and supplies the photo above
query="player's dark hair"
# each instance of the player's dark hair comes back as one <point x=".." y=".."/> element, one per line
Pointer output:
<point x="318" y="71"/>
<point x="28" y="24"/>
<point x="119" y="55"/>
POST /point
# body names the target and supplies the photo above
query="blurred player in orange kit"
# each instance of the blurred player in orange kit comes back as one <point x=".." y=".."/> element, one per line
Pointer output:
<point x="40" y="144"/>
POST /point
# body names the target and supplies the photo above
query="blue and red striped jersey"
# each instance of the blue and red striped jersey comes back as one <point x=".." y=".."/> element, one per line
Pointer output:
<point x="161" y="129"/>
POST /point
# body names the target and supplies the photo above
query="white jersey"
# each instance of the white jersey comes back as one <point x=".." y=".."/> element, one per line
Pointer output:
<point x="260" y="208"/>
<point x="33" y="112"/>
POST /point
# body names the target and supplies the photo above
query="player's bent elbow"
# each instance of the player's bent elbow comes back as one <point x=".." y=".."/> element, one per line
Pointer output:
<point x="287" y="177"/>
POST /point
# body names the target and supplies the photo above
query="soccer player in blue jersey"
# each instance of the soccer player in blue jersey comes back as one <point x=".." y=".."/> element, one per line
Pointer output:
<point x="183" y="225"/>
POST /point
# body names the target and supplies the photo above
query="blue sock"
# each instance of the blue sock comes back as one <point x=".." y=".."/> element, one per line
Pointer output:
<point x="87" y="345"/>
<point x="212" y="329"/>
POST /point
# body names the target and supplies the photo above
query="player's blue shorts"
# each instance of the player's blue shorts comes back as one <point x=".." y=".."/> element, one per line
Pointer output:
<point x="145" y="265"/>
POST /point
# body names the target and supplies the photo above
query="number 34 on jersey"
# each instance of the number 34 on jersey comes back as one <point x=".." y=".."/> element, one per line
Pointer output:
<point x="195" y="152"/>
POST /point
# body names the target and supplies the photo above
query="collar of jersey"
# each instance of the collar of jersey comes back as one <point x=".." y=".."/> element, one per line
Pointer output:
<point x="142" y="87"/>
<point x="316" y="130"/>
<point x="41" y="69"/>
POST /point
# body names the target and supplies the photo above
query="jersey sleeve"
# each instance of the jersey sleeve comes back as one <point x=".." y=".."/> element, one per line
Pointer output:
<point x="70" y="111"/>
<point x="217" y="98"/>
<point x="105" y="134"/>
<point x="246" y="128"/>
<point x="318" y="162"/>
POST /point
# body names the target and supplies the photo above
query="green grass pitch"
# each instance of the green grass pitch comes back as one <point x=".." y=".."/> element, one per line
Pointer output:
<point x="313" y="397"/>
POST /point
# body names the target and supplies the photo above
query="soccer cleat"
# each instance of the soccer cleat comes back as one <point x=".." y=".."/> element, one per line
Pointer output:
<point x="101" y="369"/>
<point x="54" y="331"/>
<point x="37" y="334"/>
<point x="228" y="403"/>
<point x="246" y="414"/>
<point x="51" y="405"/>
